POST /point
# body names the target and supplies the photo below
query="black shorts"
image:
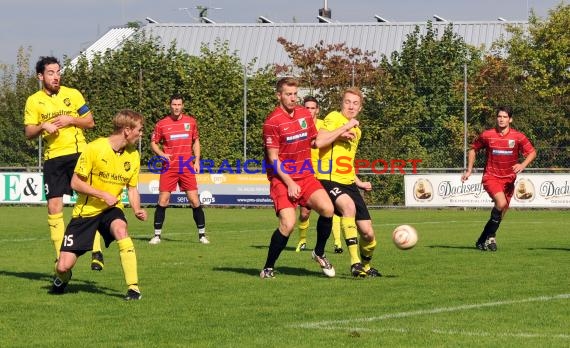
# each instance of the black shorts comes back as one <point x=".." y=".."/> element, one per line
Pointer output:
<point x="80" y="231"/>
<point x="57" y="175"/>
<point x="334" y="189"/>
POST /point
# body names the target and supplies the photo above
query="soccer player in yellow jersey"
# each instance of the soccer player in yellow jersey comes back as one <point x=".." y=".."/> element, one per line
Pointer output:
<point x="59" y="115"/>
<point x="338" y="141"/>
<point x="312" y="104"/>
<point x="104" y="168"/>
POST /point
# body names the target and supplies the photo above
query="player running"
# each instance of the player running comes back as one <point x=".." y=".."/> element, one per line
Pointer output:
<point x="503" y="147"/>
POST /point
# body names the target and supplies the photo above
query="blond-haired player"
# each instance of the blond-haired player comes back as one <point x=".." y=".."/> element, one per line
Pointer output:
<point x="338" y="141"/>
<point x="105" y="167"/>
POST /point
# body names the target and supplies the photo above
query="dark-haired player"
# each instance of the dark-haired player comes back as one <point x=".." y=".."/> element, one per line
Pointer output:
<point x="59" y="115"/>
<point x="503" y="146"/>
<point x="176" y="138"/>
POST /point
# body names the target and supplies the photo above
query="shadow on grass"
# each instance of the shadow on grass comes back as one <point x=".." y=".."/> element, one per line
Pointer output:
<point x="75" y="286"/>
<point x="299" y="272"/>
<point x="78" y="286"/>
<point x="452" y="247"/>
<point x="552" y="249"/>
<point x="287" y="248"/>
<point x="278" y="271"/>
<point x="162" y="239"/>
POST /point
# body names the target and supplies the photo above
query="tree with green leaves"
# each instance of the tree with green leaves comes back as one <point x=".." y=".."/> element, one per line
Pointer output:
<point x="17" y="83"/>
<point x="537" y="73"/>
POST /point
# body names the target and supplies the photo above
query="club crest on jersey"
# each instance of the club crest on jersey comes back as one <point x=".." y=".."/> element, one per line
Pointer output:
<point x="67" y="102"/>
<point x="127" y="166"/>
<point x="511" y="143"/>
<point x="186" y="126"/>
<point x="303" y="123"/>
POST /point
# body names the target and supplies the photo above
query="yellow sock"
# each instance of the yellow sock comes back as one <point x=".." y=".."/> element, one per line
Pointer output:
<point x="129" y="262"/>
<point x="97" y="242"/>
<point x="336" y="230"/>
<point x="303" y="227"/>
<point x="348" y="226"/>
<point x="56" y="230"/>
<point x="366" y="251"/>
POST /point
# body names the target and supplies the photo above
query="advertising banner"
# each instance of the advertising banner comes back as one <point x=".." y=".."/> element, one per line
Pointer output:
<point x="214" y="189"/>
<point x="27" y="188"/>
<point x="447" y="190"/>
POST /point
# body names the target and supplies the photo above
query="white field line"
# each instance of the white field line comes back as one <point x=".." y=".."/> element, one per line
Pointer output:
<point x="449" y="332"/>
<point x="329" y="323"/>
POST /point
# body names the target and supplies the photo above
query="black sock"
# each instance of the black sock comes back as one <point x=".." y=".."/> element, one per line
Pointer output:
<point x="276" y="246"/>
<point x="199" y="217"/>
<point x="324" y="227"/>
<point x="159" y="216"/>
<point x="492" y="225"/>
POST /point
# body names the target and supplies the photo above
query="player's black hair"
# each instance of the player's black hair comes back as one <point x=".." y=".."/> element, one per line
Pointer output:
<point x="43" y="61"/>
<point x="506" y="109"/>
<point x="310" y="98"/>
<point x="176" y="96"/>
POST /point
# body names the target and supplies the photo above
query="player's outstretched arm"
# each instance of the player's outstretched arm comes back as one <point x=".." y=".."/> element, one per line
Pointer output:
<point x="326" y="137"/>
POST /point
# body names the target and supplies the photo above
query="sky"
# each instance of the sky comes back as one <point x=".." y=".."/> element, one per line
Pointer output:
<point x="66" y="27"/>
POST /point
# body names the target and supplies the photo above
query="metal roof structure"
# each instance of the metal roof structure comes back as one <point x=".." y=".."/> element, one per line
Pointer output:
<point x="109" y="41"/>
<point x="259" y="40"/>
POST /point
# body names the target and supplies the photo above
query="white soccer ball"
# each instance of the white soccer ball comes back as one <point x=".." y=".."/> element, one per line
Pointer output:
<point x="405" y="237"/>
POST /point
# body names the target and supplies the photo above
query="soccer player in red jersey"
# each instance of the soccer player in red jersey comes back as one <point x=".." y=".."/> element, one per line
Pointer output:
<point x="503" y="147"/>
<point x="176" y="138"/>
<point x="289" y="132"/>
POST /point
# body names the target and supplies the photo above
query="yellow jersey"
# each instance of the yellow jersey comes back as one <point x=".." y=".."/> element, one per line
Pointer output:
<point x="41" y="107"/>
<point x="105" y="170"/>
<point x="315" y="151"/>
<point x="337" y="159"/>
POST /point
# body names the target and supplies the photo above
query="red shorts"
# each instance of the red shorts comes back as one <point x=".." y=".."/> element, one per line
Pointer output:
<point x="172" y="177"/>
<point x="281" y="200"/>
<point x="495" y="185"/>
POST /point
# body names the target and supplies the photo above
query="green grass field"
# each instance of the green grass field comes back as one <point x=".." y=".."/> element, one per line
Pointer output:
<point x="442" y="293"/>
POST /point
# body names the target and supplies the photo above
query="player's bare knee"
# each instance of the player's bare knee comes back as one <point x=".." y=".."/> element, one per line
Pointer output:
<point x="304" y="214"/>
<point x="62" y="267"/>
<point x="286" y="227"/>
<point x="120" y="233"/>
<point x="501" y="206"/>
<point x="327" y="210"/>
<point x="368" y="235"/>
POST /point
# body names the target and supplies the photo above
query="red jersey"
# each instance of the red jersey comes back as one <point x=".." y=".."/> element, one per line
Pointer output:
<point x="503" y="151"/>
<point x="176" y="137"/>
<point x="292" y="135"/>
